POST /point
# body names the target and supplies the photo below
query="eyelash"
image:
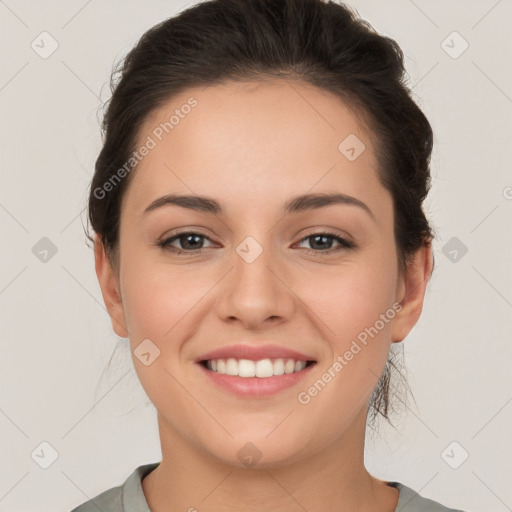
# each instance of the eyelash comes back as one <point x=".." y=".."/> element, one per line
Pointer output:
<point x="344" y="243"/>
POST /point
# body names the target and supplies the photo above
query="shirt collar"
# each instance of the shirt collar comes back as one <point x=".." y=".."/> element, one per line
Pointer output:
<point x="132" y="494"/>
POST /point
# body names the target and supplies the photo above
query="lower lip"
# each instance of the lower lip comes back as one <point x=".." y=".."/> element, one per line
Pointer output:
<point x="256" y="387"/>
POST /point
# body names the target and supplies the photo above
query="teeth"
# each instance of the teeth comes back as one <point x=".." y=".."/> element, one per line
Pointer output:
<point x="248" y="368"/>
<point x="289" y="366"/>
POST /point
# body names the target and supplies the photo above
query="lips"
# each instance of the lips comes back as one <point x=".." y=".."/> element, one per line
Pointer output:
<point x="254" y="353"/>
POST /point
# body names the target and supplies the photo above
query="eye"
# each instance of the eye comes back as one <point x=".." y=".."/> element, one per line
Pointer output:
<point x="190" y="241"/>
<point x="321" y="240"/>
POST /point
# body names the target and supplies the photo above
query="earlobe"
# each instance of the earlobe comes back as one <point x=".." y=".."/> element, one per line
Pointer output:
<point x="109" y="285"/>
<point x="411" y="292"/>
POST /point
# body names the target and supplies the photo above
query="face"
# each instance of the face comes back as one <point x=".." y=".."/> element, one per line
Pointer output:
<point x="254" y="274"/>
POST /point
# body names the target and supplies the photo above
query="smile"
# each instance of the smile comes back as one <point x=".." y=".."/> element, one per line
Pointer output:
<point x="262" y="368"/>
<point x="251" y="379"/>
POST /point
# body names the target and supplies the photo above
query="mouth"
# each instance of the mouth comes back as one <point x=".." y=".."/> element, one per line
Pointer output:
<point x="262" y="368"/>
<point x="251" y="371"/>
<point x="251" y="379"/>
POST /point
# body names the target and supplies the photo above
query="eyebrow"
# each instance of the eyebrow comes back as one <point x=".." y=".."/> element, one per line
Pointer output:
<point x="296" y="204"/>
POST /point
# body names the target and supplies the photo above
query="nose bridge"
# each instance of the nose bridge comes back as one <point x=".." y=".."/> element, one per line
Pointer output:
<point x="254" y="291"/>
<point x="252" y="262"/>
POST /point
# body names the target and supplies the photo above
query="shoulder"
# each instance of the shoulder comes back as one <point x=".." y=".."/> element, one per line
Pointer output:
<point x="411" y="501"/>
<point x="127" y="497"/>
<point x="108" y="501"/>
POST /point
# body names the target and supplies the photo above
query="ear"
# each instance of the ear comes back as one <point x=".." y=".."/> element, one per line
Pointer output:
<point x="109" y="288"/>
<point x="411" y="292"/>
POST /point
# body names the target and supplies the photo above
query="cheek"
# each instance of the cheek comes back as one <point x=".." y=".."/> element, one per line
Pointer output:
<point x="355" y="312"/>
<point x="354" y="305"/>
<point x="349" y="299"/>
<point x="157" y="299"/>
<point x="159" y="305"/>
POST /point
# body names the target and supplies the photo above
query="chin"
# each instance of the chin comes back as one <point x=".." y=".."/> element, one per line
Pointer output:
<point x="258" y="452"/>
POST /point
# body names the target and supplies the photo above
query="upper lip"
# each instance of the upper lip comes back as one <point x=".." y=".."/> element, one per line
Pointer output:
<point x="254" y="353"/>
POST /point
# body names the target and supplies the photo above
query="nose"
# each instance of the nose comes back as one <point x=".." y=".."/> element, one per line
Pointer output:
<point x="256" y="292"/>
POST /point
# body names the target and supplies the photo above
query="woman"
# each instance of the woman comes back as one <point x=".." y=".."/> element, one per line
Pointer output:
<point x="260" y="240"/>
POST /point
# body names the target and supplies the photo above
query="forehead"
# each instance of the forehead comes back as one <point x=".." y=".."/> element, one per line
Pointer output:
<point x="255" y="140"/>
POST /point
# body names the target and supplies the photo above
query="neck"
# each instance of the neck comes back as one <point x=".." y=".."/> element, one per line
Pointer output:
<point x="334" y="478"/>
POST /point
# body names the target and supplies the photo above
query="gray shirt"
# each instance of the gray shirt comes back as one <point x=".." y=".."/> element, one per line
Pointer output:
<point x="129" y="497"/>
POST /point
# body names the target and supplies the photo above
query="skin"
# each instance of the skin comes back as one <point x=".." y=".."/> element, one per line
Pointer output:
<point x="252" y="146"/>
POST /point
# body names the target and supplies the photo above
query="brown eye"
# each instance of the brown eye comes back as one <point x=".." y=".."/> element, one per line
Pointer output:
<point x="323" y="242"/>
<point x="189" y="241"/>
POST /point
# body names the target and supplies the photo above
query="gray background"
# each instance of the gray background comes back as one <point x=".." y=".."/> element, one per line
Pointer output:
<point x="56" y="337"/>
